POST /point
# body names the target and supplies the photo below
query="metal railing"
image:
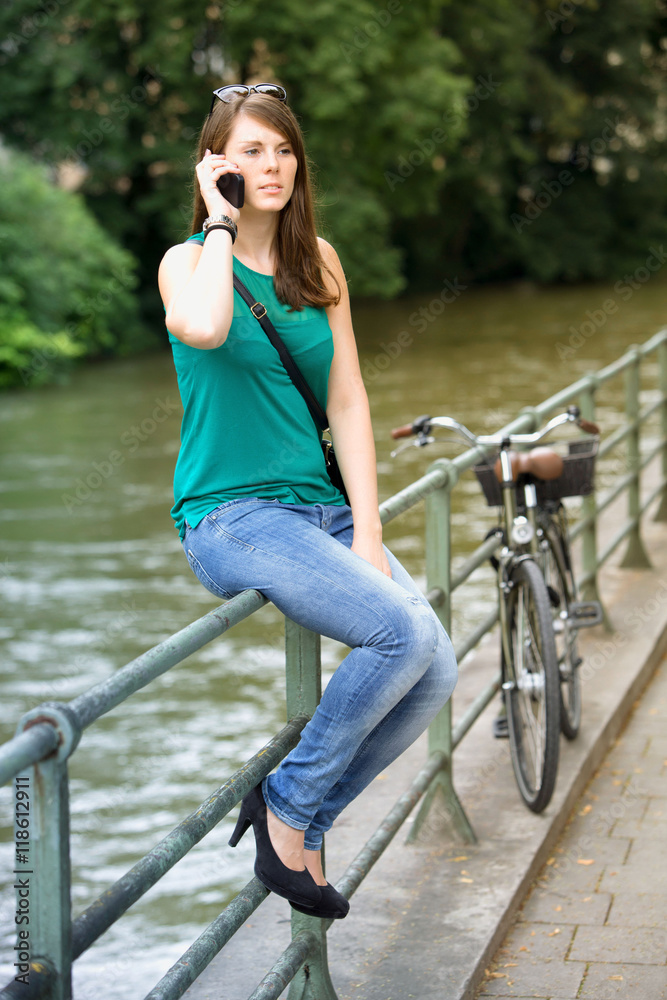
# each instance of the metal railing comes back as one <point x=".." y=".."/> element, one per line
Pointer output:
<point x="36" y="758"/>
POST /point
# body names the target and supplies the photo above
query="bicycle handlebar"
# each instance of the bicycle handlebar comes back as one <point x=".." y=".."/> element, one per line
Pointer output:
<point x="402" y="432"/>
<point x="422" y="427"/>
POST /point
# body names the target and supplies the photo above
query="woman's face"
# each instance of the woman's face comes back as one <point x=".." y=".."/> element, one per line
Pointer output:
<point x="266" y="160"/>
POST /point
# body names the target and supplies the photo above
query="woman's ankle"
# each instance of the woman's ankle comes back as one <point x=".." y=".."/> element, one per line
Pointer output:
<point x="286" y="840"/>
<point x="313" y="862"/>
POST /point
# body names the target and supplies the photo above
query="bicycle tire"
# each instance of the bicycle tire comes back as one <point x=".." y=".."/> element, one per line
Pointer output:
<point x="532" y="694"/>
<point x="560" y="579"/>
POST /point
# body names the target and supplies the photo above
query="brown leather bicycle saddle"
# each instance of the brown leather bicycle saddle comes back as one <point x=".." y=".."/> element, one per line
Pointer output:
<point x="543" y="463"/>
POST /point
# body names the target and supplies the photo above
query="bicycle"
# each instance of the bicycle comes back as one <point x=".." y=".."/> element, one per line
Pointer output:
<point x="539" y="610"/>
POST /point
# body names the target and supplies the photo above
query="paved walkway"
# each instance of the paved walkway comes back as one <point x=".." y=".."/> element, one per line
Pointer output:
<point x="594" y="926"/>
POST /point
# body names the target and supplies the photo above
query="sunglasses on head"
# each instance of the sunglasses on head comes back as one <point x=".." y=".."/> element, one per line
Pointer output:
<point x="228" y="93"/>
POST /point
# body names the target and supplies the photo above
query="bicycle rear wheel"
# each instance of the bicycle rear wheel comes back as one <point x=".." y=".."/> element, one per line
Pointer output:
<point x="562" y="592"/>
<point x="531" y="686"/>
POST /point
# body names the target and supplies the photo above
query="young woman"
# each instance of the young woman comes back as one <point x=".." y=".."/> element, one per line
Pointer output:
<point x="253" y="502"/>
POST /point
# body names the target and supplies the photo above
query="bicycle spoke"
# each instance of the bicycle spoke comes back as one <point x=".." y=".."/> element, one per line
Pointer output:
<point x="533" y="714"/>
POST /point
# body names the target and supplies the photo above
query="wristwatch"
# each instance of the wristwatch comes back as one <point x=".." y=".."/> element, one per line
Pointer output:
<point x="223" y="220"/>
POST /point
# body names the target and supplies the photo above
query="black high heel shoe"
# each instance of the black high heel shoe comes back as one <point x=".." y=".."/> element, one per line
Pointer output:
<point x="298" y="886"/>
<point x="331" y="905"/>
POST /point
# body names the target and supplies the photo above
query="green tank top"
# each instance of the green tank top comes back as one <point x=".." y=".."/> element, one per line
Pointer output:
<point x="246" y="430"/>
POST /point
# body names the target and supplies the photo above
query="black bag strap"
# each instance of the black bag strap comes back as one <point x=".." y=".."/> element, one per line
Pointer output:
<point x="259" y="312"/>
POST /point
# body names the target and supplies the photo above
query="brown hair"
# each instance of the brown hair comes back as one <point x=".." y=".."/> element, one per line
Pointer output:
<point x="299" y="271"/>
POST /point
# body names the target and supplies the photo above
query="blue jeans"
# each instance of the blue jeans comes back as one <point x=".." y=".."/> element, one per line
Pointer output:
<point x="399" y="673"/>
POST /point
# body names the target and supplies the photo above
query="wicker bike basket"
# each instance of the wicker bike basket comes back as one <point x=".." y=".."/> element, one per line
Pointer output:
<point x="577" y="479"/>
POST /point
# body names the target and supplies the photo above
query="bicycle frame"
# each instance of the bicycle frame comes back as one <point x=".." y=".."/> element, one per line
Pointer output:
<point x="521" y="531"/>
<point x="537" y="687"/>
<point x="520" y="541"/>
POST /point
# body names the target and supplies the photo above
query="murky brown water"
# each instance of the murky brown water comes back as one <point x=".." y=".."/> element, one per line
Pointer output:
<point x="92" y="573"/>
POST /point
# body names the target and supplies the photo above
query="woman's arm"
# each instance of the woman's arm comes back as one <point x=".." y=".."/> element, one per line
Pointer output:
<point x="196" y="287"/>
<point x="196" y="282"/>
<point x="350" y="423"/>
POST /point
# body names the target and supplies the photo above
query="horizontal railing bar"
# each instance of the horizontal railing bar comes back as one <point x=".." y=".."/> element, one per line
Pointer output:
<point x="42" y="980"/>
<point x="480" y="555"/>
<point x="615" y="439"/>
<point x="630" y="428"/>
<point x="611" y="496"/>
<point x="653" y="342"/>
<point x="474" y="711"/>
<point x="613" y="493"/>
<point x="131" y="886"/>
<point x="472" y="638"/>
<point x="653" y="494"/>
<point x="210" y="943"/>
<point x="29" y="747"/>
<point x="650" y="410"/>
<point x="286" y="968"/>
<point x="583" y="384"/>
<point x="564" y="396"/>
<point x="650" y="455"/>
<point x="616" y="367"/>
<point x="412" y="494"/>
<point x="579" y="527"/>
<point x="101" y="698"/>
<point x="376" y="844"/>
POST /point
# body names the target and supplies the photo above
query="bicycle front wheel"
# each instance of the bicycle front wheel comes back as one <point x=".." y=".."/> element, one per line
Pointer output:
<point x="532" y="686"/>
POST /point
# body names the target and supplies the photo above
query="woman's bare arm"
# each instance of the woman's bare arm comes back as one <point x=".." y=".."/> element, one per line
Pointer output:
<point x="196" y="288"/>
<point x="350" y="422"/>
<point x="196" y="282"/>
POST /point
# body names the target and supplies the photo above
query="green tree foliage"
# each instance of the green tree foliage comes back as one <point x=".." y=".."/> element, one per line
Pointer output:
<point x="371" y="82"/>
<point x="490" y="139"/>
<point x="65" y="287"/>
<point x="563" y="173"/>
<point x="123" y="89"/>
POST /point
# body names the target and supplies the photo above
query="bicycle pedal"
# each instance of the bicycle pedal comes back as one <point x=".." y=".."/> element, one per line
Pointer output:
<point x="585" y="614"/>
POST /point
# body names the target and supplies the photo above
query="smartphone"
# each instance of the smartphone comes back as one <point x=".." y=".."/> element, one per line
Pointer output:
<point x="231" y="186"/>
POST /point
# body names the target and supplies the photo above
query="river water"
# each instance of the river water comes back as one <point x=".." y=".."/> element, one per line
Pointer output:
<point x="92" y="574"/>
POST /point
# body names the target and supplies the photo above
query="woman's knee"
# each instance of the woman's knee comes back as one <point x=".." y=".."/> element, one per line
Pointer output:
<point x="414" y="631"/>
<point x="444" y="662"/>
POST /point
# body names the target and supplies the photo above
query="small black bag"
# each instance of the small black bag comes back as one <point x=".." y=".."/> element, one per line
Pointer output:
<point x="333" y="468"/>
<point x="317" y="413"/>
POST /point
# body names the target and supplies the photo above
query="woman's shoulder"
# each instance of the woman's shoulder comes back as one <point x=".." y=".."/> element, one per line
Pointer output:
<point x="189" y="249"/>
<point x="329" y="255"/>
<point x="335" y="280"/>
<point x="176" y="266"/>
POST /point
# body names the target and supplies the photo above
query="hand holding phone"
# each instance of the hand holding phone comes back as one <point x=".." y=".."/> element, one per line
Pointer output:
<point x="232" y="187"/>
<point x="217" y="181"/>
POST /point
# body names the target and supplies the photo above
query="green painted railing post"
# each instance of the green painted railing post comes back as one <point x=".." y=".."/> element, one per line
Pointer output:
<point x="438" y="580"/>
<point x="42" y="880"/>
<point x="589" y="551"/>
<point x="304" y="689"/>
<point x="635" y="553"/>
<point x="661" y="513"/>
<point x="42" y="868"/>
